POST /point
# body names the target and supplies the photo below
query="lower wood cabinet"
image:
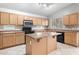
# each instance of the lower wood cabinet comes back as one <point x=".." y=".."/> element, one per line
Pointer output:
<point x="71" y="38"/>
<point x="11" y="39"/>
<point x="8" y="40"/>
<point x="0" y="40"/>
<point x="19" y="38"/>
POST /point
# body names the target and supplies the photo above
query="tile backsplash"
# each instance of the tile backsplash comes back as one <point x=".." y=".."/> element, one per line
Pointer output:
<point x="10" y="27"/>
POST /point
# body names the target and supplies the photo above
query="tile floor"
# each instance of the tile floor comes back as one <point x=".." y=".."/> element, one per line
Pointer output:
<point x="62" y="49"/>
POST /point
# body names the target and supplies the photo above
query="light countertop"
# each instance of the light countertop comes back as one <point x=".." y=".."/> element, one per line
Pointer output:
<point x="42" y="34"/>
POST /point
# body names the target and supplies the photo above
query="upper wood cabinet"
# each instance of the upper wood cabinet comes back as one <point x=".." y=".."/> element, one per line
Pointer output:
<point x="39" y="22"/>
<point x="35" y="21"/>
<point x="71" y="19"/>
<point x="66" y="20"/>
<point x="44" y="22"/>
<point x="20" y="19"/>
<point x="13" y="19"/>
<point x="4" y="18"/>
<point x="27" y="18"/>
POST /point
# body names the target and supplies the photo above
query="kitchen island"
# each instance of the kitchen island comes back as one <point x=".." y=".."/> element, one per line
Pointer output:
<point x="41" y="43"/>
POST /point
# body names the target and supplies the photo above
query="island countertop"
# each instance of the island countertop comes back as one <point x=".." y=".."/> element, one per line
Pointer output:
<point x="39" y="35"/>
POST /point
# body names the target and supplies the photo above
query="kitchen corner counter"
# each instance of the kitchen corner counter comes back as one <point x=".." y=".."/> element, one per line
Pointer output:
<point x="62" y="30"/>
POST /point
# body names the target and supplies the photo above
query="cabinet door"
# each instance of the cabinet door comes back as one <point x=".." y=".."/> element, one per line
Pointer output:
<point x="39" y="48"/>
<point x="39" y="21"/>
<point x="20" y="19"/>
<point x="73" y="19"/>
<point x="29" y="45"/>
<point x="13" y="19"/>
<point x="71" y="38"/>
<point x="66" y="20"/>
<point x="35" y="21"/>
<point x="1" y="41"/>
<point x="27" y="18"/>
<point x="46" y="22"/>
<point x="12" y="39"/>
<point x="8" y="40"/>
<point x="51" y="44"/>
<point x="20" y="38"/>
<point x="5" y="18"/>
<point x="43" y="22"/>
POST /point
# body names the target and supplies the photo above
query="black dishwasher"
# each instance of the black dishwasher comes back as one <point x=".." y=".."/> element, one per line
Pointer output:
<point x="60" y="38"/>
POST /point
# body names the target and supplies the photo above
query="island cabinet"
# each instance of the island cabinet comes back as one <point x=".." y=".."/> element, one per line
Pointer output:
<point x="34" y="47"/>
<point x="4" y="18"/>
<point x="40" y="44"/>
<point x="71" y="38"/>
<point x="51" y="44"/>
<point x="13" y="19"/>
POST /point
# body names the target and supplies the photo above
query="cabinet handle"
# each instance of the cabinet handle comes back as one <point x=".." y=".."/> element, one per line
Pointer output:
<point x="30" y="42"/>
<point x="53" y="36"/>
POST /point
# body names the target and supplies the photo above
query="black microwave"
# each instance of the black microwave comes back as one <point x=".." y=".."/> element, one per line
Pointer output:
<point x="28" y="23"/>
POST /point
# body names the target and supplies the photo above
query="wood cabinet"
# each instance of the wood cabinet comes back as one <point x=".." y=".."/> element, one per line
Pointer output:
<point x="13" y="19"/>
<point x="35" y="21"/>
<point x="36" y="48"/>
<point x="71" y="19"/>
<point x="71" y="38"/>
<point x="44" y="22"/>
<point x="27" y="18"/>
<point x="20" y="38"/>
<point x="20" y="19"/>
<point x="39" y="21"/>
<point x="66" y="20"/>
<point x="11" y="39"/>
<point x="47" y="22"/>
<point x="4" y="18"/>
<point x="40" y="45"/>
<point x="1" y="40"/>
<point x="51" y="44"/>
<point x="8" y="39"/>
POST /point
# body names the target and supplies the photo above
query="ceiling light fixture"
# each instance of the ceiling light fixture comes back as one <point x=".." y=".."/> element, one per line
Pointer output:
<point x="46" y="5"/>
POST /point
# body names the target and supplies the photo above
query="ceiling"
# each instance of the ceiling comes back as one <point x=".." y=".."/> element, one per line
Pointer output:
<point x="34" y="8"/>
